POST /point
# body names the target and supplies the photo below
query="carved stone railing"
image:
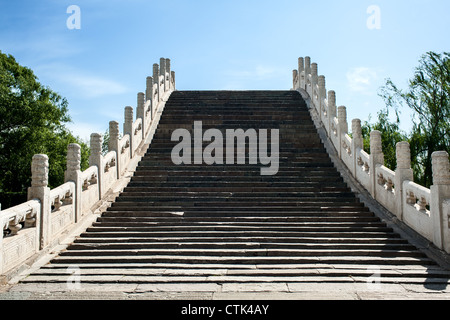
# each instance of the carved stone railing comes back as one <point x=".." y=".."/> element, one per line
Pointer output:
<point x="35" y="226"/>
<point x="427" y="211"/>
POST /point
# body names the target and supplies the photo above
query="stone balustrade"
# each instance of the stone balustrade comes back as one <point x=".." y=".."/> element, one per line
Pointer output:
<point x="427" y="211"/>
<point x="31" y="227"/>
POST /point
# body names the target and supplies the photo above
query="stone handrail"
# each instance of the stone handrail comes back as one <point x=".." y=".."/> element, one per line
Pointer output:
<point x="21" y="219"/>
<point x="427" y="211"/>
<point x="35" y="226"/>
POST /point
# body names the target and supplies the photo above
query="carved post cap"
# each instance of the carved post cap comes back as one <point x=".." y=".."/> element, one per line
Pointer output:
<point x="321" y="81"/>
<point x="168" y="65"/>
<point x="73" y="157"/>
<point x="342" y="114"/>
<point x="331" y="98"/>
<point x="155" y="72"/>
<point x="162" y="66"/>
<point x="140" y="102"/>
<point x="314" y="69"/>
<point x="114" y="130"/>
<point x="307" y="62"/>
<point x="403" y="153"/>
<point x="356" y="128"/>
<point x="301" y="64"/>
<point x="128" y="114"/>
<point x="96" y="143"/>
<point x="441" y="168"/>
<point x="375" y="142"/>
<point x="39" y="170"/>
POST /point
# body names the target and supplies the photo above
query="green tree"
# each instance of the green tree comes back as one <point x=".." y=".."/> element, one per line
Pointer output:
<point x="390" y="136"/>
<point x="428" y="97"/>
<point x="32" y="121"/>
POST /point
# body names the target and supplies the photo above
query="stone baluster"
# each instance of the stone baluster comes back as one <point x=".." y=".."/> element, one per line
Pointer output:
<point x="357" y="142"/>
<point x="39" y="190"/>
<point x="113" y="144"/>
<point x="96" y="159"/>
<point x="440" y="191"/>
<point x="73" y="173"/>
<point x="128" y="128"/>
<point x="403" y="173"/>
<point x="376" y="159"/>
<point x="140" y="112"/>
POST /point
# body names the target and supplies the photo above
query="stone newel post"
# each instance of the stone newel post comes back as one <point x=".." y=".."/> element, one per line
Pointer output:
<point x="128" y="128"/>
<point x="295" y="79"/>
<point x="342" y="126"/>
<point x="162" y="72"/>
<point x="39" y="190"/>
<point x="403" y="172"/>
<point x="440" y="191"/>
<point x="96" y="159"/>
<point x="168" y="73"/>
<point x="332" y="110"/>
<point x="376" y="159"/>
<point x="158" y="89"/>
<point x="140" y="112"/>
<point x="149" y="94"/>
<point x="301" y="69"/>
<point x="307" y="66"/>
<point x="73" y="173"/>
<point x="113" y="143"/>
<point x="322" y="96"/>
<point x="314" y="77"/>
<point x="172" y="78"/>
<point x="357" y="142"/>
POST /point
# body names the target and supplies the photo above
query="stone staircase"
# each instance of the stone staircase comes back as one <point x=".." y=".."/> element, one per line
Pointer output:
<point x="228" y="224"/>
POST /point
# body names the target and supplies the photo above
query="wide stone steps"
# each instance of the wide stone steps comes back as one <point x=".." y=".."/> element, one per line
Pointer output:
<point x="225" y="224"/>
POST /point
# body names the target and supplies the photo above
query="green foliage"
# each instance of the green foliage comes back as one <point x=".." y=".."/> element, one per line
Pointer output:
<point x="390" y="136"/>
<point x="428" y="97"/>
<point x="32" y="121"/>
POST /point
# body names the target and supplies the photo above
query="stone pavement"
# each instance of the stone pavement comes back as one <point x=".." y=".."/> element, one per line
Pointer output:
<point x="234" y="291"/>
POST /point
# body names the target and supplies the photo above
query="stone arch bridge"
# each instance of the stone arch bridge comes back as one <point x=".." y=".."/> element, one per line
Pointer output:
<point x="331" y="222"/>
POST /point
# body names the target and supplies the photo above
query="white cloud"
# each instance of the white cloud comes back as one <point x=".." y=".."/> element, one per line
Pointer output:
<point x="84" y="130"/>
<point x="93" y="86"/>
<point x="258" y="73"/>
<point x="81" y="83"/>
<point x="361" y="79"/>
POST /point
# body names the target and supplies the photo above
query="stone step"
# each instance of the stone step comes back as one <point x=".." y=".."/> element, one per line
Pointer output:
<point x="202" y="259"/>
<point x="240" y="220"/>
<point x="285" y="240"/>
<point x="173" y="271"/>
<point x="93" y="246"/>
<point x="190" y="225"/>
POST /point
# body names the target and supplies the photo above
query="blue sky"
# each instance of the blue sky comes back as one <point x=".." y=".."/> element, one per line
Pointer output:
<point x="220" y="45"/>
